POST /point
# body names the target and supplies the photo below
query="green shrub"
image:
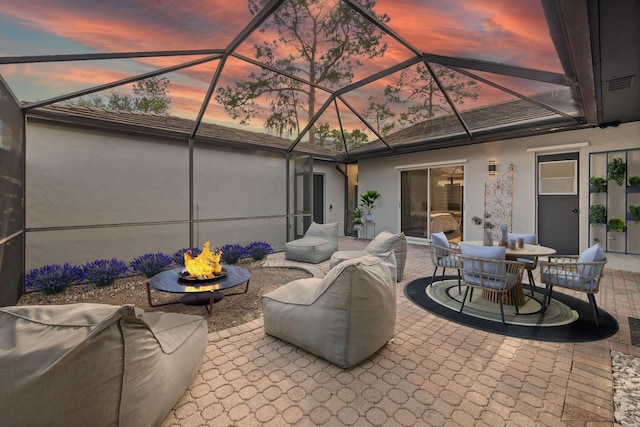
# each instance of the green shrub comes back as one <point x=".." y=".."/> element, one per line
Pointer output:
<point x="616" y="225"/>
<point x="598" y="184"/>
<point x="635" y="212"/>
<point x="597" y="215"/>
<point x="616" y="170"/>
<point x="634" y="180"/>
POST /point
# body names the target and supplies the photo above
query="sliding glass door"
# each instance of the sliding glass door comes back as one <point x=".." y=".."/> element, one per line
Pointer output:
<point x="431" y="201"/>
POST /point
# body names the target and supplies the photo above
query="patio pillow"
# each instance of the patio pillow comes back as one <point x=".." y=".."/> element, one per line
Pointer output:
<point x="382" y="243"/>
<point x="529" y="239"/>
<point x="487" y="268"/>
<point x="592" y="254"/>
<point x="440" y="239"/>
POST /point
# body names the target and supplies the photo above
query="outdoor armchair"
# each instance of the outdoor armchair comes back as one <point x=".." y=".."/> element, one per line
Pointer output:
<point x="485" y="267"/>
<point x="579" y="273"/>
<point x="384" y="242"/>
<point x="318" y="244"/>
<point x="530" y="263"/>
<point x="444" y="254"/>
<point x="95" y="364"/>
<point x="344" y="317"/>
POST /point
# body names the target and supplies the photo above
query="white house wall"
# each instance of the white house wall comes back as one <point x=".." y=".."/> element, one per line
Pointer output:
<point x="382" y="174"/>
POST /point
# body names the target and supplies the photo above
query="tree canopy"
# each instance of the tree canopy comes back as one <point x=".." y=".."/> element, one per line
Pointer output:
<point x="325" y="42"/>
<point x="149" y="96"/>
<point x="325" y="45"/>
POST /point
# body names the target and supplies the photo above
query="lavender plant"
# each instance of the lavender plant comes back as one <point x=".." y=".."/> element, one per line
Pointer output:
<point x="103" y="272"/>
<point x="258" y="250"/>
<point x="178" y="257"/>
<point x="53" y="278"/>
<point x="232" y="253"/>
<point x="151" y="264"/>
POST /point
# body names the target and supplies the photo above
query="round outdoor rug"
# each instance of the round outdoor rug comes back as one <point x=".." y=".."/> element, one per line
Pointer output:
<point x="567" y="319"/>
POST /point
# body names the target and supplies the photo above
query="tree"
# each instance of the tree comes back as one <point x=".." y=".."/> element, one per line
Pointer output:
<point x="149" y="96"/>
<point x="378" y="115"/>
<point x="419" y="92"/>
<point x="92" y="101"/>
<point x="326" y="44"/>
<point x="326" y="137"/>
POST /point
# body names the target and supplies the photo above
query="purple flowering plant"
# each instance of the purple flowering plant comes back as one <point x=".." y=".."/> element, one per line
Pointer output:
<point x="151" y="264"/>
<point x="103" y="272"/>
<point x="53" y="278"/>
<point x="259" y="250"/>
<point x="231" y="254"/>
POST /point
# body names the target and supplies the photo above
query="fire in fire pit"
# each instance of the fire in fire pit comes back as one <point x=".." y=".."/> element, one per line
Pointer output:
<point x="204" y="266"/>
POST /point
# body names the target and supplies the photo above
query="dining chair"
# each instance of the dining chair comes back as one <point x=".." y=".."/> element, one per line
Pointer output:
<point x="579" y="273"/>
<point x="485" y="267"/>
<point x="530" y="263"/>
<point x="444" y="254"/>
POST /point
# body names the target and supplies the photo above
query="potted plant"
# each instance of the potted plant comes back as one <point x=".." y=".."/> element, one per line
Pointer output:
<point x="597" y="215"/>
<point x="635" y="212"/>
<point x="616" y="171"/>
<point x="634" y="180"/>
<point x="357" y="220"/>
<point x="598" y="184"/>
<point x="616" y="225"/>
<point x="368" y="200"/>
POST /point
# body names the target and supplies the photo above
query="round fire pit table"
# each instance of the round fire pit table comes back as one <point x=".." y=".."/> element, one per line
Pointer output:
<point x="202" y="292"/>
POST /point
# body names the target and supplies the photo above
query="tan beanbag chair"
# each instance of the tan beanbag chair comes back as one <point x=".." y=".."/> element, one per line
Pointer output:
<point x="386" y="241"/>
<point x="95" y="364"/>
<point x="317" y="245"/>
<point x="344" y="317"/>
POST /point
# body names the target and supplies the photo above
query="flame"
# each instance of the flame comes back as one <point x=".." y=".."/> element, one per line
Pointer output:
<point x="206" y="265"/>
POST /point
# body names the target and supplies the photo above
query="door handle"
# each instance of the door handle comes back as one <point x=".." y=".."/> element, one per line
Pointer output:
<point x="574" y="210"/>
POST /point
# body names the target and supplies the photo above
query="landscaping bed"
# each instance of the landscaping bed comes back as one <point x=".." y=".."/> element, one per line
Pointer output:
<point x="229" y="312"/>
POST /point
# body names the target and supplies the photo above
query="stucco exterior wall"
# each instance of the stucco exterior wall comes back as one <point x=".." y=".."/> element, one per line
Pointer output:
<point x="382" y="174"/>
<point x="83" y="178"/>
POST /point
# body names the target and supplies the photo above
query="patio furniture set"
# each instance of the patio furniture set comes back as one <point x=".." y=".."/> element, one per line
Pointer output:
<point x="143" y="362"/>
<point x="498" y="270"/>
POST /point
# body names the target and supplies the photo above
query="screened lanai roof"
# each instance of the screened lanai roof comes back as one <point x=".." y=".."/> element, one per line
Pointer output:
<point x="352" y="78"/>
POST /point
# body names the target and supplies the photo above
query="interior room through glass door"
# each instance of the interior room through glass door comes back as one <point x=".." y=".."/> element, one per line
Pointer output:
<point x="431" y="201"/>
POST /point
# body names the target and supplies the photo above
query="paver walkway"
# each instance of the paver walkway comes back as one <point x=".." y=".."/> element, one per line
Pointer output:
<point x="433" y="372"/>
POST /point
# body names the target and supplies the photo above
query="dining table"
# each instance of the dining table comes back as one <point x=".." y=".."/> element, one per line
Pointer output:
<point x="512" y="254"/>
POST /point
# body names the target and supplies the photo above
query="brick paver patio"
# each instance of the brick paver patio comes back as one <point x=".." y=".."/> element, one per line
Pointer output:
<point x="433" y="372"/>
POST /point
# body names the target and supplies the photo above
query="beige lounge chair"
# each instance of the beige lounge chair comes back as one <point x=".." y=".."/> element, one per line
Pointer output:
<point x="95" y="364"/>
<point x="384" y="242"/>
<point x="344" y="317"/>
<point x="318" y="244"/>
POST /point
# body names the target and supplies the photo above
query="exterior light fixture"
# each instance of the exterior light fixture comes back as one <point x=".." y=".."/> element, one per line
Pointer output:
<point x="492" y="168"/>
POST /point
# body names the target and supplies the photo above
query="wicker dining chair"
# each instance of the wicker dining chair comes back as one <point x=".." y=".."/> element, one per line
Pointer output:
<point x="444" y="254"/>
<point x="579" y="273"/>
<point x="490" y="271"/>
<point x="530" y="263"/>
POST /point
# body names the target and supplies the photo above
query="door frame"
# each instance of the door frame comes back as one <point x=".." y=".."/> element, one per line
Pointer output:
<point x="322" y="198"/>
<point x="556" y="157"/>
<point x="418" y="166"/>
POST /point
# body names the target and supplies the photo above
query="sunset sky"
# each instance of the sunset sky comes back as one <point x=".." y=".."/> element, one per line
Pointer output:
<point x="504" y="31"/>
